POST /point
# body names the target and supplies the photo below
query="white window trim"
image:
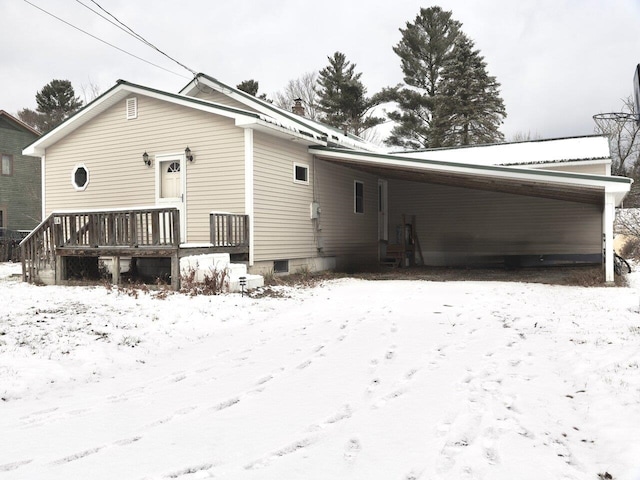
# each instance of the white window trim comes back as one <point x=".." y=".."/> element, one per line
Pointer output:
<point x="355" y="210"/>
<point x="306" y="167"/>
<point x="76" y="187"/>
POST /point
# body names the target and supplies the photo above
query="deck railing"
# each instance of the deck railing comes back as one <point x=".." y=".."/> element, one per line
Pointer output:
<point x="148" y="227"/>
<point x="229" y="230"/>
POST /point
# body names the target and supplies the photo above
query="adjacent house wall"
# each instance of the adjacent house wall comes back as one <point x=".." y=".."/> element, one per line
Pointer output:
<point x="458" y="226"/>
<point x="111" y="148"/>
<point x="351" y="237"/>
<point x="20" y="192"/>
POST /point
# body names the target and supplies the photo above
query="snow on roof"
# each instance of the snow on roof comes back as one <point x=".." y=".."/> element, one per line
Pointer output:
<point x="594" y="147"/>
<point x="283" y="118"/>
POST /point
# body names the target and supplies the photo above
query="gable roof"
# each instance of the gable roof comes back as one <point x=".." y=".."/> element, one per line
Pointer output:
<point x="557" y="150"/>
<point x="332" y="135"/>
<point x="18" y="123"/>
<point x="123" y="89"/>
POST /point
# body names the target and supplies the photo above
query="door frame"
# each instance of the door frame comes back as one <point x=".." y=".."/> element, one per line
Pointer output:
<point x="383" y="210"/>
<point x="179" y="202"/>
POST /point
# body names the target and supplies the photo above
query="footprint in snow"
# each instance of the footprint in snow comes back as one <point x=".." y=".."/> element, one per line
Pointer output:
<point x="352" y="449"/>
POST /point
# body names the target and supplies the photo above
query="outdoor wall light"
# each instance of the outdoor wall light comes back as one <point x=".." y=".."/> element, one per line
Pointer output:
<point x="146" y="159"/>
<point x="188" y="155"/>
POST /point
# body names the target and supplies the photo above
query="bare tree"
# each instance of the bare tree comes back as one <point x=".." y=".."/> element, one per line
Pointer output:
<point x="90" y="92"/>
<point x="525" y="137"/>
<point x="304" y="88"/>
<point x="624" y="139"/>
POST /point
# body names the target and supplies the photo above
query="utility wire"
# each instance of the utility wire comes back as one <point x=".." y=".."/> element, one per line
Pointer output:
<point x="103" y="41"/>
<point x="140" y="37"/>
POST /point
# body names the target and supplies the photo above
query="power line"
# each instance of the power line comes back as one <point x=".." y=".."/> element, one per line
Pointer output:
<point x="140" y="37"/>
<point x="103" y="41"/>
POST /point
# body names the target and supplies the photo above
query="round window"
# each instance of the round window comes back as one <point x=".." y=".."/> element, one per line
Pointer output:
<point x="80" y="177"/>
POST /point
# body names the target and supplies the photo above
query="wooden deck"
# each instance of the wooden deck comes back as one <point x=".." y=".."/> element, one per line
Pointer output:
<point x="130" y="233"/>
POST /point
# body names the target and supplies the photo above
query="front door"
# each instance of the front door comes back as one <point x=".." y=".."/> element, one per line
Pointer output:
<point x="170" y="186"/>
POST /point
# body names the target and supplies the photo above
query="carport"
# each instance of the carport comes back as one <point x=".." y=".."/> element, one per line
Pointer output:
<point x="469" y="211"/>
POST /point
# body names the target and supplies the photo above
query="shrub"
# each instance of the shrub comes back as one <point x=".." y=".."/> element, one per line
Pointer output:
<point x="214" y="283"/>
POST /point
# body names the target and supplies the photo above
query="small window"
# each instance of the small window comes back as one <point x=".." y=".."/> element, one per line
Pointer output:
<point x="280" y="266"/>
<point x="301" y="173"/>
<point x="173" y="167"/>
<point x="80" y="177"/>
<point x="3" y="217"/>
<point x="358" y="197"/>
<point x="7" y="165"/>
<point x="132" y="108"/>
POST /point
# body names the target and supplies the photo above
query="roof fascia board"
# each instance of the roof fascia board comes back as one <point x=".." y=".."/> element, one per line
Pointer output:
<point x="267" y="127"/>
<point x="613" y="184"/>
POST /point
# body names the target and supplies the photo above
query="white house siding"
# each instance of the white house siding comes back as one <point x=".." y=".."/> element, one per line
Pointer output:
<point x="351" y="237"/>
<point x="111" y="148"/>
<point x="283" y="229"/>
<point x="221" y="99"/>
<point x="462" y="226"/>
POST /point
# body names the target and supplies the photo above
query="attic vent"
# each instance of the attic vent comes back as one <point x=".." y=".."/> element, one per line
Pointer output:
<point x="132" y="108"/>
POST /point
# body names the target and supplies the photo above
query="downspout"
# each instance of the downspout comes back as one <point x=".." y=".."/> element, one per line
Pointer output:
<point x="43" y="213"/>
<point x="248" y="187"/>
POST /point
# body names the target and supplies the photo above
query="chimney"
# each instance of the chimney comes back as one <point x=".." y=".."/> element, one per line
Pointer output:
<point x="298" y="108"/>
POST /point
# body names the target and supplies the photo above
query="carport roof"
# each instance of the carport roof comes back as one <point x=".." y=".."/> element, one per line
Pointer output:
<point x="573" y="187"/>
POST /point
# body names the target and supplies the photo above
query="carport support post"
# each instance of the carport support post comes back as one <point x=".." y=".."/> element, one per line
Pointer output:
<point x="607" y="227"/>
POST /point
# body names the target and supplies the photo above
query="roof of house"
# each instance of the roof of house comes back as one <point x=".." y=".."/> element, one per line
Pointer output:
<point x="570" y="149"/>
<point x="122" y="89"/>
<point x="586" y="188"/>
<point x="333" y="135"/>
<point x="18" y="123"/>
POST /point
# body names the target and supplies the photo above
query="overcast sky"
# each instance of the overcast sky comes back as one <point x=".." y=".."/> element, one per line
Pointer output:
<point x="558" y="61"/>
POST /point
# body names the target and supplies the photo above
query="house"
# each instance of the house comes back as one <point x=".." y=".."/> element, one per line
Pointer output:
<point x="20" y="190"/>
<point x="146" y="173"/>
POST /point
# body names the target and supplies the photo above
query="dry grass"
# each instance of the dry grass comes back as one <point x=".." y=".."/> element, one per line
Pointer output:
<point x="585" y="276"/>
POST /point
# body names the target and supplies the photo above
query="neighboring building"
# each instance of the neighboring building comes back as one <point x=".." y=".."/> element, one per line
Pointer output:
<point x="20" y="179"/>
<point x="318" y="198"/>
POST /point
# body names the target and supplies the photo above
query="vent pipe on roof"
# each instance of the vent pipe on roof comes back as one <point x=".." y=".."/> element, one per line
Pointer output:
<point x="298" y="108"/>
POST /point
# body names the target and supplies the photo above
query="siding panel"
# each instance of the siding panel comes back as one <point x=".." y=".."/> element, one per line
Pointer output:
<point x="111" y="147"/>
<point x="456" y="225"/>
<point x="351" y="237"/>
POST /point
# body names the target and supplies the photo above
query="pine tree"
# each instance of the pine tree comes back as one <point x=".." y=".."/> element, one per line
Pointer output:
<point x="342" y="97"/>
<point x="56" y="101"/>
<point x="469" y="100"/>
<point x="431" y="113"/>
<point x="251" y="87"/>
<point x="424" y="48"/>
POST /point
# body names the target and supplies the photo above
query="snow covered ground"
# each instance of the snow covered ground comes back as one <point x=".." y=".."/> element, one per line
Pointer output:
<point x="352" y="379"/>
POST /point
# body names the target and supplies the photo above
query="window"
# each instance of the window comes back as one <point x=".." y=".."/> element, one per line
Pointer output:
<point x="301" y="173"/>
<point x="280" y="266"/>
<point x="2" y="218"/>
<point x="80" y="177"/>
<point x="358" y="197"/>
<point x="7" y="165"/>
<point x="173" y="167"/>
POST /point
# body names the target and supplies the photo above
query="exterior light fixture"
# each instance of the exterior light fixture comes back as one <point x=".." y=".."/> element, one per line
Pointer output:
<point x="146" y="159"/>
<point x="188" y="155"/>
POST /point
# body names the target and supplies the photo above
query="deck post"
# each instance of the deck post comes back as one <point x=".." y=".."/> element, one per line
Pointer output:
<point x="60" y="269"/>
<point x="115" y="270"/>
<point x="175" y="271"/>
